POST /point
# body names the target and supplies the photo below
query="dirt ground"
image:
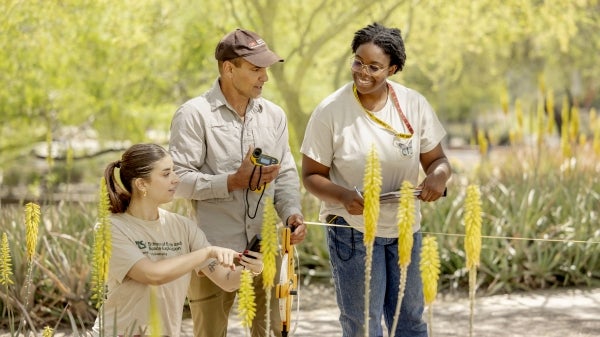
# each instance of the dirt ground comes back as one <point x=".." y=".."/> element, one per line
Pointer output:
<point x="547" y="313"/>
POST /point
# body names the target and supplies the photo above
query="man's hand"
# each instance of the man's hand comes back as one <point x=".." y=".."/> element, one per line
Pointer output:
<point x="299" y="231"/>
<point x="262" y="175"/>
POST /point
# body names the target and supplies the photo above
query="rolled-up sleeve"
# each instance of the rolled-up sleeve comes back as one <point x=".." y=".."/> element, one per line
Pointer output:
<point x="287" y="190"/>
<point x="287" y="184"/>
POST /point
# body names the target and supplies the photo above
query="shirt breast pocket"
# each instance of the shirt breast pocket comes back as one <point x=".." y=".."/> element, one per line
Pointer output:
<point x="223" y="146"/>
<point x="266" y="138"/>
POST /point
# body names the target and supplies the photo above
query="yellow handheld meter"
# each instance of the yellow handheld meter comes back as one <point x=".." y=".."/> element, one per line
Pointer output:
<point x="261" y="159"/>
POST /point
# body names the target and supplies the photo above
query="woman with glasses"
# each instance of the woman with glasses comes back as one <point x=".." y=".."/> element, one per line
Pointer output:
<point x="407" y="136"/>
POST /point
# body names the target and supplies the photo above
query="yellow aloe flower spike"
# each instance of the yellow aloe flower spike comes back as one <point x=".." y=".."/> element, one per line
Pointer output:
<point x="246" y="305"/>
<point x="32" y="223"/>
<point x="430" y="274"/>
<point x="372" y="190"/>
<point x="49" y="137"/>
<point x="565" y="144"/>
<point x="473" y="226"/>
<point x="483" y="143"/>
<point x="574" y="124"/>
<point x="268" y="249"/>
<point x="154" y="319"/>
<point x="582" y="140"/>
<point x="550" y="110"/>
<point x="541" y="82"/>
<point x="5" y="262"/>
<point x="596" y="141"/>
<point x="564" y="111"/>
<point x="519" y="113"/>
<point x="6" y="279"/>
<point x="565" y="138"/>
<point x="512" y="137"/>
<point x="540" y="124"/>
<point x="472" y="243"/>
<point x="268" y="246"/>
<point x="102" y="249"/>
<point x="47" y="332"/>
<point x="430" y="268"/>
<point x="504" y="100"/>
<point x="406" y="219"/>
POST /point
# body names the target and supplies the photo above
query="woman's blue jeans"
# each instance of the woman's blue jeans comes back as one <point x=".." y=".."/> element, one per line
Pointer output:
<point x="347" y="255"/>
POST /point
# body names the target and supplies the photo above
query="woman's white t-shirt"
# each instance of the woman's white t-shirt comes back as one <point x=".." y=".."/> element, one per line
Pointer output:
<point x="339" y="135"/>
<point x="128" y="301"/>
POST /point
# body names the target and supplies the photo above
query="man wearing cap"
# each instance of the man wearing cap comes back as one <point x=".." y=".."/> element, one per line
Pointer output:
<point x="212" y="140"/>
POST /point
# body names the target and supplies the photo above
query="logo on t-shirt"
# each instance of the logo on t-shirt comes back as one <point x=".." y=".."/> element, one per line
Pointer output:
<point x="141" y="244"/>
<point x="164" y="248"/>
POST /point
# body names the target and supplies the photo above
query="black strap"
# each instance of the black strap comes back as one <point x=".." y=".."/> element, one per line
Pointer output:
<point x="250" y="188"/>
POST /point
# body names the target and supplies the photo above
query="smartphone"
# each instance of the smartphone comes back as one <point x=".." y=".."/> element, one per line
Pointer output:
<point x="254" y="244"/>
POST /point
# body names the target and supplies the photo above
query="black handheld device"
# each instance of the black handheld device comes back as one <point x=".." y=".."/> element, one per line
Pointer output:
<point x="254" y="245"/>
<point x="261" y="159"/>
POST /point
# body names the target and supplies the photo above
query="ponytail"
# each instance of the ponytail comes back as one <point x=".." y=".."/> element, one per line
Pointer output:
<point x="118" y="195"/>
<point x="136" y="162"/>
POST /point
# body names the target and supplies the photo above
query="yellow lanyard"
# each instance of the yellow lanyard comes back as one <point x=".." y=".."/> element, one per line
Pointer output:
<point x="384" y="124"/>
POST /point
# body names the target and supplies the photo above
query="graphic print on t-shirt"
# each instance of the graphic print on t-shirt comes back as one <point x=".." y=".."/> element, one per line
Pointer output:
<point x="165" y="248"/>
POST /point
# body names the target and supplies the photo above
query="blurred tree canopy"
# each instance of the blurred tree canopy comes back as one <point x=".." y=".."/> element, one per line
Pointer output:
<point x="121" y="68"/>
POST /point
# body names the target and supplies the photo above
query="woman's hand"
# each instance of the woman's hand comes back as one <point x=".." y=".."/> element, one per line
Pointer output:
<point x="438" y="171"/>
<point x="353" y="202"/>
<point x="316" y="180"/>
<point x="252" y="261"/>
<point x="224" y="256"/>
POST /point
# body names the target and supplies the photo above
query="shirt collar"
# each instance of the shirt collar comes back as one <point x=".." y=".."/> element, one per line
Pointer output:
<point x="217" y="100"/>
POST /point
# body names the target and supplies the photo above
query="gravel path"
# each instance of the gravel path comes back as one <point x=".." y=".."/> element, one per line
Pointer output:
<point x="547" y="313"/>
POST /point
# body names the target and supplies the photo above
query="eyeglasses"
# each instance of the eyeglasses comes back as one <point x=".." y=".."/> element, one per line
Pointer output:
<point x="372" y="69"/>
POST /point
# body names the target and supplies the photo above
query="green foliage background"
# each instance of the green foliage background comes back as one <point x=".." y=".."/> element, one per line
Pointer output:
<point x="120" y="68"/>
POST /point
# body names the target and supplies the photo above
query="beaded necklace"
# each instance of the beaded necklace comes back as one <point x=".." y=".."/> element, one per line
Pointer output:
<point x="384" y="124"/>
